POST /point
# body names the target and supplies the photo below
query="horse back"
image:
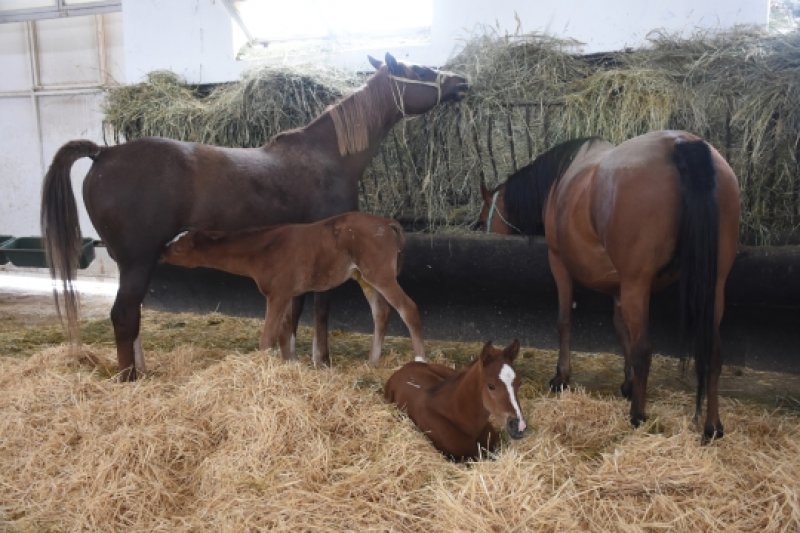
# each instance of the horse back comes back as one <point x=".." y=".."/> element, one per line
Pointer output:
<point x="154" y="187"/>
<point x="410" y="386"/>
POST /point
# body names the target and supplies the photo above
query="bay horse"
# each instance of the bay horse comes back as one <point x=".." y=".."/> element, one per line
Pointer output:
<point x="453" y="408"/>
<point x="141" y="193"/>
<point x="292" y="259"/>
<point x="628" y="220"/>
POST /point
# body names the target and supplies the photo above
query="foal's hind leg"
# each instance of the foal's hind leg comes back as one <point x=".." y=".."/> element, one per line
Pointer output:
<point x="275" y="322"/>
<point x="408" y="312"/>
<point x="126" y="316"/>
<point x="564" y="286"/>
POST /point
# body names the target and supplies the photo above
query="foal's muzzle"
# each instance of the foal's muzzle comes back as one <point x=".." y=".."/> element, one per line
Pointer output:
<point x="515" y="428"/>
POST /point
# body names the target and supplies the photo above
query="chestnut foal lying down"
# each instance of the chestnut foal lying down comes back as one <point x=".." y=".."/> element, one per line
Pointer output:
<point x="453" y="407"/>
<point x="293" y="259"/>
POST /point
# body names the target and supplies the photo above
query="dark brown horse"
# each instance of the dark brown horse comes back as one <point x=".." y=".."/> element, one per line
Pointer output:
<point x="453" y="407"/>
<point x="142" y="193"/>
<point x="626" y="221"/>
<point x="292" y="259"/>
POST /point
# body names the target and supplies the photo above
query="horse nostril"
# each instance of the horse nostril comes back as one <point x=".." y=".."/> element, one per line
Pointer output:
<point x="515" y="428"/>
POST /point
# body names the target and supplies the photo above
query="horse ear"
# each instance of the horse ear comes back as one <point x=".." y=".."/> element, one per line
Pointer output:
<point x="391" y="62"/>
<point x="511" y="351"/>
<point x="376" y="63"/>
<point x="183" y="242"/>
<point x="486" y="194"/>
<point x="486" y="353"/>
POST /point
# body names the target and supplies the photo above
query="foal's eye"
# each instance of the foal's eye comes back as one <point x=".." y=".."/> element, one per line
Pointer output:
<point x="490" y="385"/>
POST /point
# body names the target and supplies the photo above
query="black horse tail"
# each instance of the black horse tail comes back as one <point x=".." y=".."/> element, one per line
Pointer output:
<point x="61" y="231"/>
<point x="698" y="243"/>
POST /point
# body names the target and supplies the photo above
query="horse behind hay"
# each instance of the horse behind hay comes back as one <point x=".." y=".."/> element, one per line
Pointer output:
<point x="626" y="221"/>
<point x="453" y="407"/>
<point x="292" y="259"/>
<point x="141" y="193"/>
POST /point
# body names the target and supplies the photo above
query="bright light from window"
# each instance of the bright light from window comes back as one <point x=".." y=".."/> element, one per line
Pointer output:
<point x="282" y="20"/>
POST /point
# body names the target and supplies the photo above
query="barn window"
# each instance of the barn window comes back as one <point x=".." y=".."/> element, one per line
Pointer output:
<point x="349" y="23"/>
<point x="21" y="10"/>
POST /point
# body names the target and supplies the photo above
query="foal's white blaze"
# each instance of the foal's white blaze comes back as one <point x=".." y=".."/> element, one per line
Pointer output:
<point x="507" y="376"/>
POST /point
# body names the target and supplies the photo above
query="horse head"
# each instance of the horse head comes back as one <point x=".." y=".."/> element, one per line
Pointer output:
<point x="418" y="89"/>
<point x="501" y="385"/>
<point x="493" y="217"/>
<point x="183" y="249"/>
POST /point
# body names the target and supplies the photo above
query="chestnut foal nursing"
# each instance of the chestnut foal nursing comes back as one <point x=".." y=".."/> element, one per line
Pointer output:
<point x="293" y="259"/>
<point x="453" y="407"/>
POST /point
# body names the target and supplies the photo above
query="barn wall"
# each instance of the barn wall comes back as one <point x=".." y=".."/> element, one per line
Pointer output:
<point x="195" y="39"/>
<point x="55" y="71"/>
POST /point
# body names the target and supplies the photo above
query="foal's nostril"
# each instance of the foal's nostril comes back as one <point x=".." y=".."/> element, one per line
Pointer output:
<point x="514" y="428"/>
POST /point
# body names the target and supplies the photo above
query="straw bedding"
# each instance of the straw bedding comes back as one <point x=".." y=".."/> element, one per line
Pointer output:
<point x="219" y="437"/>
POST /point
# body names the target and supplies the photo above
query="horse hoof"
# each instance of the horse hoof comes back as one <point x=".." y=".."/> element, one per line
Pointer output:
<point x="638" y="420"/>
<point x="711" y="433"/>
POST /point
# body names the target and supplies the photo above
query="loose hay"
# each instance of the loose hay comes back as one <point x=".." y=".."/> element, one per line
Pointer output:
<point x="222" y="439"/>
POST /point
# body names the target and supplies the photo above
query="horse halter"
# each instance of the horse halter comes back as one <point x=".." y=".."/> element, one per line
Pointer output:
<point x="493" y="210"/>
<point x="441" y="76"/>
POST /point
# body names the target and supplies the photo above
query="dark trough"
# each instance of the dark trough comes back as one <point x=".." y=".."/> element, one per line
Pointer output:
<point x="477" y="288"/>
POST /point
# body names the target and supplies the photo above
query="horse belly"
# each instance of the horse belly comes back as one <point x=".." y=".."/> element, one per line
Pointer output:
<point x="572" y="237"/>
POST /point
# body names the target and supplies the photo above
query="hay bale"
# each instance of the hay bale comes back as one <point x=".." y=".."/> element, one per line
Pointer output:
<point x="737" y="89"/>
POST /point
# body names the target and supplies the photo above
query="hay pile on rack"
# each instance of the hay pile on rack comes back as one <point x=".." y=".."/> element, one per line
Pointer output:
<point x="739" y="90"/>
<point x="221" y="439"/>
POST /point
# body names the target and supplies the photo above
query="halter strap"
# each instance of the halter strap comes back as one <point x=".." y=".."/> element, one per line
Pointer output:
<point x="441" y="75"/>
<point x="493" y="210"/>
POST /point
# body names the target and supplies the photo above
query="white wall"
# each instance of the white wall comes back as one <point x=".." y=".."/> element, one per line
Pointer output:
<point x="42" y="108"/>
<point x="195" y="38"/>
<point x="51" y="91"/>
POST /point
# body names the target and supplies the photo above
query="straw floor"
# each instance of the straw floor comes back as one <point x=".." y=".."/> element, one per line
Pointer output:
<point x="219" y="437"/>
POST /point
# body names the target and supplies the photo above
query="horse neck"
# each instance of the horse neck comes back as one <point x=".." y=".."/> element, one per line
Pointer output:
<point x="356" y="126"/>
<point x="234" y="256"/>
<point x="465" y="391"/>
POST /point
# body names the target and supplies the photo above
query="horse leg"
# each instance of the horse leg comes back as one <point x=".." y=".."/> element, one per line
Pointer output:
<point x="286" y="338"/>
<point x="712" y="429"/>
<point x="634" y="309"/>
<point x="564" y="287"/>
<point x="380" y="317"/>
<point x="626" y="388"/>
<point x="320" y="353"/>
<point x="126" y="314"/>
<point x="275" y="322"/>
<point x="409" y="314"/>
<point x="297" y="311"/>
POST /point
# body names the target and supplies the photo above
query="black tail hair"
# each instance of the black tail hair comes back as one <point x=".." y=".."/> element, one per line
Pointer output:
<point x="698" y="244"/>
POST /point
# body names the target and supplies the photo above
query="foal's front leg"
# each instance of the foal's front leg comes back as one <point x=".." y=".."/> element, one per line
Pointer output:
<point x="320" y="352"/>
<point x="563" y="281"/>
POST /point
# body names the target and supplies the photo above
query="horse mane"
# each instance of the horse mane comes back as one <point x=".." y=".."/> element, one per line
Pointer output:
<point x="526" y="190"/>
<point x="358" y="115"/>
